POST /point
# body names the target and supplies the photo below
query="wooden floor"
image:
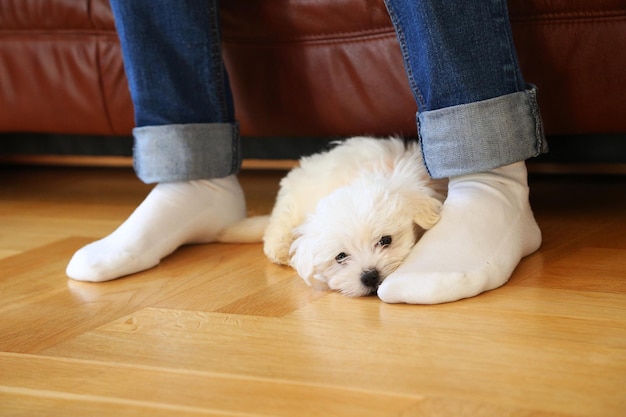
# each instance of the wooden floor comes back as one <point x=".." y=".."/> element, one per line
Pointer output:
<point x="216" y="330"/>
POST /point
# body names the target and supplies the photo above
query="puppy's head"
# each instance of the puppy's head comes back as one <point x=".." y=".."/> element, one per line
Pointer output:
<point x="360" y="233"/>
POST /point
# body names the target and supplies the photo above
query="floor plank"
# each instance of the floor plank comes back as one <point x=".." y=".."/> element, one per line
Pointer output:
<point x="187" y="390"/>
<point x="351" y="344"/>
<point x="217" y="330"/>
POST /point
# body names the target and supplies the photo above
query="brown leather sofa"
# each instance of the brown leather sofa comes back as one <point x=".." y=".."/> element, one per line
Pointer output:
<point x="299" y="68"/>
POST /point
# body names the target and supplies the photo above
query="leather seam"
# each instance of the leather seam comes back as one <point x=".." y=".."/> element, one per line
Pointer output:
<point x="305" y="40"/>
<point x="105" y="106"/>
<point x="601" y="15"/>
<point x="572" y="22"/>
<point x="321" y="37"/>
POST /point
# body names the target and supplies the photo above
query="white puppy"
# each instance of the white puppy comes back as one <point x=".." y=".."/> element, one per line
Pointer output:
<point x="346" y="218"/>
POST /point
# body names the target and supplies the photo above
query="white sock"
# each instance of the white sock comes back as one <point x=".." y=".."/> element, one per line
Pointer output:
<point x="172" y="214"/>
<point x="486" y="227"/>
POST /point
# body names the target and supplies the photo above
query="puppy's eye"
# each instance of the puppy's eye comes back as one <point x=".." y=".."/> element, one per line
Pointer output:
<point x="385" y="241"/>
<point x="341" y="257"/>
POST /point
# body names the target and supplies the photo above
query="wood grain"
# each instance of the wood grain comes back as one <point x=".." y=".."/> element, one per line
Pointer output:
<point x="217" y="330"/>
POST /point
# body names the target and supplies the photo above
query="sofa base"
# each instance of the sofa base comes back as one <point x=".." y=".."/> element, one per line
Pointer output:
<point x="568" y="154"/>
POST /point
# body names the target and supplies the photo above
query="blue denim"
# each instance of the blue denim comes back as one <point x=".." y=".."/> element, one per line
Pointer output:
<point x="475" y="111"/>
<point x="179" y="86"/>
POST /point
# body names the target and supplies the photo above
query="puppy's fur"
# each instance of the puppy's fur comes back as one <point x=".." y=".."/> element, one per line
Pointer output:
<point x="346" y="218"/>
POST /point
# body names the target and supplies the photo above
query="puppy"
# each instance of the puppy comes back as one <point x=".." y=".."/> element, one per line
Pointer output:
<point x="346" y="218"/>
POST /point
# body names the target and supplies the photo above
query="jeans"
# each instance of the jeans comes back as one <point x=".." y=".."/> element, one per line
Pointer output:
<point x="184" y="116"/>
<point x="476" y="112"/>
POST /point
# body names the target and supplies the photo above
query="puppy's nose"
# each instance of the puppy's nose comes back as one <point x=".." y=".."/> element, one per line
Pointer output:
<point x="370" y="278"/>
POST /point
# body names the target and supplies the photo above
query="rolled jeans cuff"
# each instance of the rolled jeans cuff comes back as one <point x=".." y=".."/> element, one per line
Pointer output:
<point x="185" y="152"/>
<point x="481" y="136"/>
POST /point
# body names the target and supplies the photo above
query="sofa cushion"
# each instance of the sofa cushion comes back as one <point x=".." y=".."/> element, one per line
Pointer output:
<point x="60" y="68"/>
<point x="302" y="68"/>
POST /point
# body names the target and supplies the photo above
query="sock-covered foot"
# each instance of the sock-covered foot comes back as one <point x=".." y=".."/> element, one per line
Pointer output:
<point x="486" y="227"/>
<point x="172" y="214"/>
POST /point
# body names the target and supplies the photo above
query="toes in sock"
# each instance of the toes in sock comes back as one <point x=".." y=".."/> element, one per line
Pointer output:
<point x="172" y="214"/>
<point x="486" y="227"/>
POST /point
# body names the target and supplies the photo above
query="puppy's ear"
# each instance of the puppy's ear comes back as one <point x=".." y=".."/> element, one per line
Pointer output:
<point x="426" y="210"/>
<point x="305" y="256"/>
<point x="423" y="194"/>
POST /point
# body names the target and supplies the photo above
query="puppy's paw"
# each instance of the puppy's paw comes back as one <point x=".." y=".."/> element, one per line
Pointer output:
<point x="277" y="256"/>
<point x="276" y="248"/>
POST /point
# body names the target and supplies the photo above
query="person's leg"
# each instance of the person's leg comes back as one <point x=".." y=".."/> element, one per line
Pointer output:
<point x="186" y="139"/>
<point x="478" y="121"/>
